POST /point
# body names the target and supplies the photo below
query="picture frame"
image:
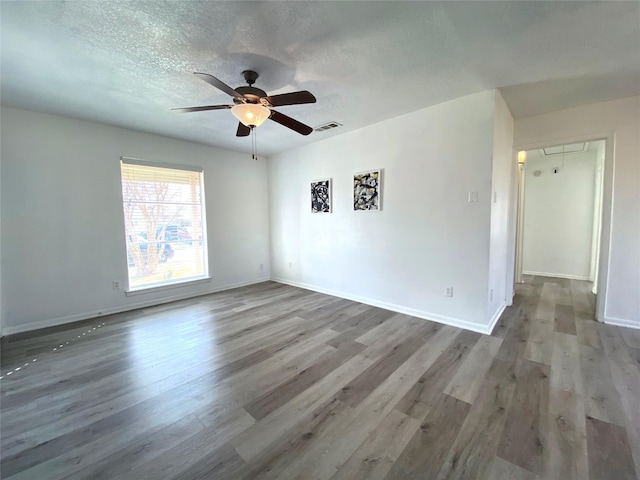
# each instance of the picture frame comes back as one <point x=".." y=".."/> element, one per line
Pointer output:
<point x="321" y="196"/>
<point x="367" y="191"/>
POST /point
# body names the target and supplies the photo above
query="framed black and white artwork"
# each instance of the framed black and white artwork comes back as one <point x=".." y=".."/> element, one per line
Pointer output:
<point x="321" y="196"/>
<point x="367" y="191"/>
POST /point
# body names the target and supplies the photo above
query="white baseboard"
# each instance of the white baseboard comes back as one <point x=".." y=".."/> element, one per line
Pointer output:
<point x="556" y="275"/>
<point x="621" y="322"/>
<point x="54" y="322"/>
<point x="454" y="322"/>
<point x="496" y="317"/>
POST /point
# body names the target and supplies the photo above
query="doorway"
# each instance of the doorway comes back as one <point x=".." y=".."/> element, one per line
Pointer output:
<point x="559" y="213"/>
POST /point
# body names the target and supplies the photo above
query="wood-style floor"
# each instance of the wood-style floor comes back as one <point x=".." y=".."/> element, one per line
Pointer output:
<point x="271" y="381"/>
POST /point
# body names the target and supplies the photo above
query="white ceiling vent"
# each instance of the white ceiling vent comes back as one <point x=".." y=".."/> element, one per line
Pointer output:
<point x="327" y="126"/>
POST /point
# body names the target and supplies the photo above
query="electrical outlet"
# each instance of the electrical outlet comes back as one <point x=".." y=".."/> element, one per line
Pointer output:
<point x="116" y="285"/>
<point x="290" y="265"/>
<point x="448" y="292"/>
<point x="261" y="266"/>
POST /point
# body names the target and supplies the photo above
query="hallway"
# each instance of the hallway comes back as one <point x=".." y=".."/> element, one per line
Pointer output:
<point x="590" y="398"/>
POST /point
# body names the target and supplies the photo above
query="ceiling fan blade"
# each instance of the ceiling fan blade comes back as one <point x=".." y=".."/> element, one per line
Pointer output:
<point x="201" y="109"/>
<point x="243" y="130"/>
<point x="289" y="122"/>
<point x="293" y="98"/>
<point x="219" y="84"/>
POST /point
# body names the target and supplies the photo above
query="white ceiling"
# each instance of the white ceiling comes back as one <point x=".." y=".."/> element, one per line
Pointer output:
<point x="128" y="63"/>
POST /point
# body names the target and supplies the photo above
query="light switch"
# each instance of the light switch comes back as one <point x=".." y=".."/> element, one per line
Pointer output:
<point x="473" y="197"/>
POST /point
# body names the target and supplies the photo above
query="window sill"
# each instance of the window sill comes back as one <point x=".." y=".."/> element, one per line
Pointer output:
<point x="171" y="286"/>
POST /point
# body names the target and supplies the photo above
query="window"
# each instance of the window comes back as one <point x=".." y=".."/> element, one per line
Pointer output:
<point x="164" y="223"/>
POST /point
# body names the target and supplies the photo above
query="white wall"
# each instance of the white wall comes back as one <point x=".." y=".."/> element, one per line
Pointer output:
<point x="62" y="225"/>
<point x="620" y="261"/>
<point x="558" y="215"/>
<point x="1" y="291"/>
<point x="426" y="237"/>
<point x="501" y="256"/>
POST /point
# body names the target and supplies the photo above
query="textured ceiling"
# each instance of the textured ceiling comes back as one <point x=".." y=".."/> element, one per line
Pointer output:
<point x="128" y="63"/>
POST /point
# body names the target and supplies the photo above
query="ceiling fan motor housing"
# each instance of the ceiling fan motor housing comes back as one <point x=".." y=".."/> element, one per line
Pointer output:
<point x="251" y="94"/>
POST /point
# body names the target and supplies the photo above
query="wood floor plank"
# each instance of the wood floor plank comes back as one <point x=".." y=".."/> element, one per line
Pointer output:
<point x="609" y="451"/>
<point x="333" y="388"/>
<point x="46" y="427"/>
<point x="98" y="466"/>
<point x="503" y="470"/>
<point x="522" y="442"/>
<point x="353" y="425"/>
<point x="626" y="378"/>
<point x="276" y="458"/>
<point x="545" y="309"/>
<point x="630" y="336"/>
<point x="540" y="343"/>
<point x="150" y="413"/>
<point x="601" y="397"/>
<point x="358" y="389"/>
<point x="566" y="436"/>
<point x="396" y="326"/>
<point x="565" y="364"/>
<point x="262" y="406"/>
<point x="372" y="316"/>
<point x="172" y="463"/>
<point x="71" y="452"/>
<point x="472" y="453"/>
<point x="423" y="394"/>
<point x="350" y="329"/>
<point x="425" y="454"/>
<point x="635" y="355"/>
<point x="378" y="453"/>
<point x="381" y="346"/>
<point x="563" y="295"/>
<point x="587" y="331"/>
<point x="223" y="462"/>
<point x="581" y="297"/>
<point x="467" y="380"/>
<point x="327" y="310"/>
<point x="565" y="319"/>
<point x="298" y="410"/>
<point x="516" y="337"/>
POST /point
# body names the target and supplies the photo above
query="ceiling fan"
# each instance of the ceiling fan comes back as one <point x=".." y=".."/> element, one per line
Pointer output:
<point x="252" y="106"/>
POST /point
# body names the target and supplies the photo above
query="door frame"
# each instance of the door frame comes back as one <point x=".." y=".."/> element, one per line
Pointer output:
<point x="602" y="279"/>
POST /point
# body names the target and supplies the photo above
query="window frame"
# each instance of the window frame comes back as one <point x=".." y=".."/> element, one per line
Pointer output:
<point x="167" y="285"/>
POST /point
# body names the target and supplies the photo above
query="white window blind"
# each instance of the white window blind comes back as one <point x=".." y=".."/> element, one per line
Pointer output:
<point x="164" y="223"/>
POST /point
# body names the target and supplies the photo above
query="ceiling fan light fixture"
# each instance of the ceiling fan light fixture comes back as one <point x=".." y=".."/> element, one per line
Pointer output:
<point x="251" y="114"/>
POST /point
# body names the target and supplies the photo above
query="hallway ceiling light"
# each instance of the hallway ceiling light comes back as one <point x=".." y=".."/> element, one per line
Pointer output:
<point x="522" y="157"/>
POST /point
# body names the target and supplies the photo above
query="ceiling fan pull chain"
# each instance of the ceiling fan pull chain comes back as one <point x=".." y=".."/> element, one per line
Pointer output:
<point x="254" y="144"/>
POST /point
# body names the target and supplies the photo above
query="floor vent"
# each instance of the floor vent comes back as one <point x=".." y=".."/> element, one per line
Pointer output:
<point x="327" y="126"/>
